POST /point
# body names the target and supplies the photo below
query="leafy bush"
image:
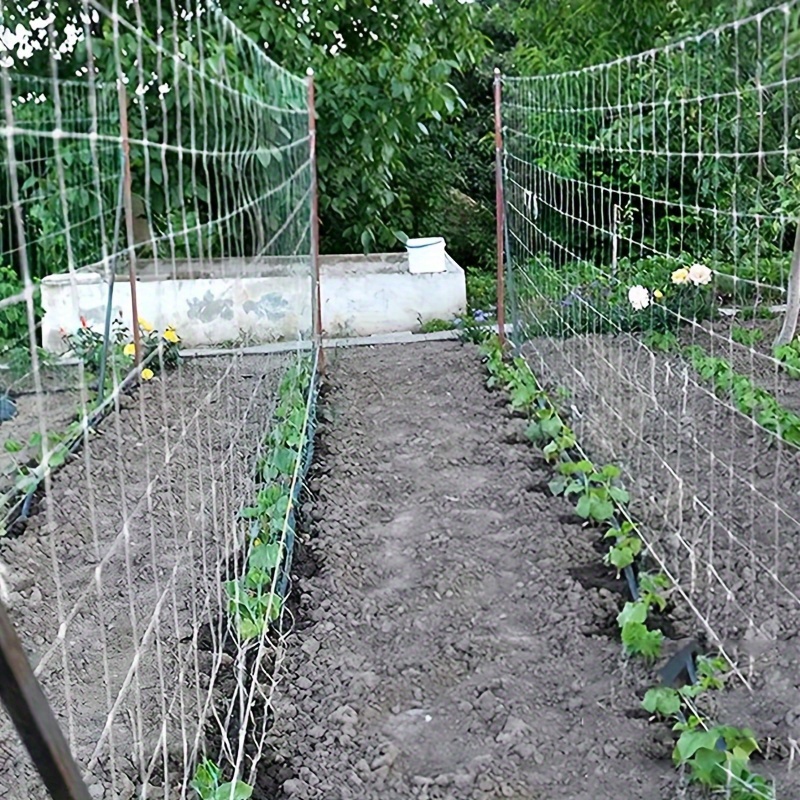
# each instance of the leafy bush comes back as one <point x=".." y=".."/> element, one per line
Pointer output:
<point x="14" y="317"/>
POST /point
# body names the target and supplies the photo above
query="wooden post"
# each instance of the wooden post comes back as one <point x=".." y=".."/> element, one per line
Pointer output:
<point x="128" y="204"/>
<point x="499" y="203"/>
<point x="315" y="272"/>
<point x="34" y="719"/>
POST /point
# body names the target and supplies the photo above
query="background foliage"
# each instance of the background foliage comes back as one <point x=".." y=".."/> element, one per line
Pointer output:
<point x="404" y="109"/>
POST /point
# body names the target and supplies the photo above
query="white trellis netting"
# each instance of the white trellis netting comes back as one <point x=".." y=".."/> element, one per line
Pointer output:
<point x="652" y="214"/>
<point x="122" y="543"/>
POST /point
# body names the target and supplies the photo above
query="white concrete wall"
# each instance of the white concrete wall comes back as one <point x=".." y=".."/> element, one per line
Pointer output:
<point x="361" y="296"/>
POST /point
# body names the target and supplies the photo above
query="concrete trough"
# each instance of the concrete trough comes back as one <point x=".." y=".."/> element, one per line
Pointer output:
<point x="254" y="301"/>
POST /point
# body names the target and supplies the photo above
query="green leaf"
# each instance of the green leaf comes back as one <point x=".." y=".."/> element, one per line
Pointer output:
<point x="632" y="612"/>
<point x="229" y="791"/>
<point x="707" y="767"/>
<point x="367" y="239"/>
<point x="584" y="506"/>
<point x="551" y="427"/>
<point x="601" y="510"/>
<point x="621" y="556"/>
<point x="690" y="742"/>
<point x="618" y="495"/>
<point x="265" y="556"/>
<point x="638" y="640"/>
<point x="662" y="700"/>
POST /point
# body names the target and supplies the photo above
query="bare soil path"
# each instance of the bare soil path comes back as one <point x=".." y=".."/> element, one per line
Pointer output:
<point x="443" y="648"/>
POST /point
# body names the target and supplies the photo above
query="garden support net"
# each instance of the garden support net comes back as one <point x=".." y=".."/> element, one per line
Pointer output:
<point x="652" y="224"/>
<point x="154" y="158"/>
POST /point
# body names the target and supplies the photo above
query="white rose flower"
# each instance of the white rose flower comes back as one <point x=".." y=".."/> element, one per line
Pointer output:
<point x="699" y="274"/>
<point x="638" y="297"/>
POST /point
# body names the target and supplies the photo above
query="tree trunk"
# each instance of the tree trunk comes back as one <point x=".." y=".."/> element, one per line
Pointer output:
<point x="792" y="297"/>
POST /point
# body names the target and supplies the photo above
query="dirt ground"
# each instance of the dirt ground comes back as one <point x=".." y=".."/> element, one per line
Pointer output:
<point x="116" y="583"/>
<point x="51" y="406"/>
<point x="721" y="505"/>
<point x="444" y="648"/>
<point x="454" y="631"/>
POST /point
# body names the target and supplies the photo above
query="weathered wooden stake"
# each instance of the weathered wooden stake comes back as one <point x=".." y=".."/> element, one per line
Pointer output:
<point x="34" y="719"/>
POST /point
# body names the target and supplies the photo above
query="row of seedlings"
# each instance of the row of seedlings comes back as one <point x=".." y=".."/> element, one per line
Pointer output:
<point x="716" y="756"/>
<point x="255" y="600"/>
<point x="748" y="398"/>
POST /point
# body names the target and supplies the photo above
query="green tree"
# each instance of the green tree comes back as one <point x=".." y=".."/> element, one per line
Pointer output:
<point x="385" y="90"/>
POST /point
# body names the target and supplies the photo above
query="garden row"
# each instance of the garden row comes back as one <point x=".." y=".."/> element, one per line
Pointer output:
<point x="745" y="395"/>
<point x="256" y="598"/>
<point x="113" y="367"/>
<point x="715" y="756"/>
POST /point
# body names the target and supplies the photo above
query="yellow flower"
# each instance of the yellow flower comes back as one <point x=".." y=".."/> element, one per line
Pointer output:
<point x="171" y="336"/>
<point x="129" y="349"/>
<point x="145" y="325"/>
<point x="658" y="294"/>
<point x="680" y="275"/>
<point x="257" y="542"/>
<point x="147" y="374"/>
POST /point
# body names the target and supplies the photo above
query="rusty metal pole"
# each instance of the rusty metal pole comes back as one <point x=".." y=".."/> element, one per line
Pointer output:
<point x="128" y="204"/>
<point x="34" y="719"/>
<point x="500" y="206"/>
<point x="315" y="270"/>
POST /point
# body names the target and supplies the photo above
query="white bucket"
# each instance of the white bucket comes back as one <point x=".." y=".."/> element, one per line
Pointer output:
<point x="426" y="255"/>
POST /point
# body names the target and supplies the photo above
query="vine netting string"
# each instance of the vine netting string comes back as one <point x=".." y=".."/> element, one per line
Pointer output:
<point x="141" y="554"/>
<point x="653" y="221"/>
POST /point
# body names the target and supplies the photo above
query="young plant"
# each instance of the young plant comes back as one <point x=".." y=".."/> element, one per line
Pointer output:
<point x="711" y="674"/>
<point x="748" y="398"/>
<point x="270" y="509"/>
<point x="253" y="607"/>
<point x="637" y="638"/>
<point x="496" y="366"/>
<point x="627" y="545"/>
<point x="561" y="445"/>
<point x="545" y="425"/>
<point x="206" y="783"/>
<point x="666" y="341"/>
<point x="523" y="389"/>
<point x="789" y="357"/>
<point x="663" y="701"/>
<point x="746" y="336"/>
<point x="719" y="759"/>
<point x="668" y="702"/>
<point x="651" y="588"/>
<point x="597" y="493"/>
<point x="435" y="325"/>
<point x="473" y="329"/>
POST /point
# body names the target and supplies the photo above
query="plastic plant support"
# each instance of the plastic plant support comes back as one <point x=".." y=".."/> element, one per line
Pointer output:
<point x="8" y="408"/>
<point x="633" y="585"/>
<point x="681" y="663"/>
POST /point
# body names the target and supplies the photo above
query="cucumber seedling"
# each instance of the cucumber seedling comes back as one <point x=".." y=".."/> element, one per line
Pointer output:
<point x="597" y="494"/>
<point x="206" y="782"/>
